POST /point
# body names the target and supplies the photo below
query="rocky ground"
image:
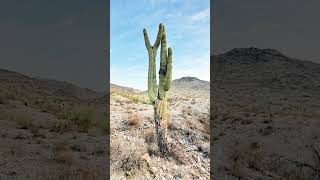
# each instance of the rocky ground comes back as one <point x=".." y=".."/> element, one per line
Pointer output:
<point x="134" y="153"/>
<point x="265" y="116"/>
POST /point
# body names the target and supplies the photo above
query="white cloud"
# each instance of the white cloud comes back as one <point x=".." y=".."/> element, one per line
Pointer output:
<point x="202" y="15"/>
<point x="134" y="76"/>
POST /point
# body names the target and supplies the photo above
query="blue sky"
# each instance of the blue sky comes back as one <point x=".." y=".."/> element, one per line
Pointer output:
<point x="187" y="24"/>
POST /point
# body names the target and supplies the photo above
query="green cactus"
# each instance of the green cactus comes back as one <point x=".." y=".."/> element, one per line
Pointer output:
<point x="158" y="94"/>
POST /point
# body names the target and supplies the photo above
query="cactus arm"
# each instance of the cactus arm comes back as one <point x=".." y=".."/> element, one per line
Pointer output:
<point x="146" y="40"/>
<point x="163" y="54"/>
<point x="168" y="71"/>
<point x="158" y="40"/>
<point x="163" y="65"/>
<point x="152" y="78"/>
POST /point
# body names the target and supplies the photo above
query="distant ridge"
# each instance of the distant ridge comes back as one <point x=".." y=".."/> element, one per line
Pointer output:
<point x="48" y="86"/>
<point x="254" y="52"/>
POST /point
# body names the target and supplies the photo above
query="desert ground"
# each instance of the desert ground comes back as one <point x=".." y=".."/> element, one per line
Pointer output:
<point x="265" y="116"/>
<point x="50" y="130"/>
<point x="134" y="152"/>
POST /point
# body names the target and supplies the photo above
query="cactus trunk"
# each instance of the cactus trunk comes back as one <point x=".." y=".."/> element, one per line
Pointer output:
<point x="161" y="116"/>
<point x="158" y="94"/>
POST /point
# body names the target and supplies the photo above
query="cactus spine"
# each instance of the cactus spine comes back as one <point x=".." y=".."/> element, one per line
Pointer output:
<point x="158" y="94"/>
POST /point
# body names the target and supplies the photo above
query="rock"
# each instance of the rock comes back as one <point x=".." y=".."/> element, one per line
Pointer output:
<point x="177" y="177"/>
<point x="146" y="157"/>
<point x="145" y="126"/>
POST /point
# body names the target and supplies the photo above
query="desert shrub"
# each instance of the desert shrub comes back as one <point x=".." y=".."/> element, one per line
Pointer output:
<point x="51" y="107"/>
<point x="86" y="117"/>
<point x="133" y="119"/>
<point x="100" y="122"/>
<point x="83" y="117"/>
<point x="150" y="136"/>
<point x="134" y="98"/>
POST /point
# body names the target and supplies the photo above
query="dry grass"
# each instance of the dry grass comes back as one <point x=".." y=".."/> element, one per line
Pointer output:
<point x="131" y="97"/>
<point x="63" y="126"/>
<point x="296" y="174"/>
<point x="178" y="152"/>
<point x="85" y="117"/>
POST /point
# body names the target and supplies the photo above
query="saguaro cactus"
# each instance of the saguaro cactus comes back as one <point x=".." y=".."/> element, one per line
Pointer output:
<point x="158" y="94"/>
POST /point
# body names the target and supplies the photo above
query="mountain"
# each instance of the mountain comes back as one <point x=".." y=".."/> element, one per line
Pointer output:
<point x="47" y="86"/>
<point x="190" y="86"/>
<point x="256" y="72"/>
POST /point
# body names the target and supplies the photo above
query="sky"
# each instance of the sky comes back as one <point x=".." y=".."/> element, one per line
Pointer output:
<point x="187" y="24"/>
<point x="290" y="26"/>
<point x="62" y="40"/>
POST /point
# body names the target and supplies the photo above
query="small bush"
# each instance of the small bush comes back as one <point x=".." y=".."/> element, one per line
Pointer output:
<point x="133" y="119"/>
<point x="51" y="107"/>
<point x="150" y="136"/>
<point x="86" y="117"/>
<point x="134" y="98"/>
<point x="83" y="117"/>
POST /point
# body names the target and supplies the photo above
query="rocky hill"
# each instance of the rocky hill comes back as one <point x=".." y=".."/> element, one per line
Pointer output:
<point x="190" y="85"/>
<point x="114" y="87"/>
<point x="261" y="98"/>
<point x="48" y="86"/>
<point x="251" y="73"/>
<point x="185" y="86"/>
